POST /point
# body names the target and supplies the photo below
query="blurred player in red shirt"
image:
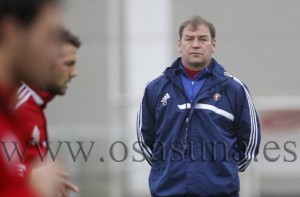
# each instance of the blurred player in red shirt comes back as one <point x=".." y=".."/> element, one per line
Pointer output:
<point x="32" y="101"/>
<point x="30" y="40"/>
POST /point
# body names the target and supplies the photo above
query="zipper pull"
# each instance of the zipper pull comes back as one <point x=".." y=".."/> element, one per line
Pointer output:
<point x="184" y="148"/>
<point x="186" y="120"/>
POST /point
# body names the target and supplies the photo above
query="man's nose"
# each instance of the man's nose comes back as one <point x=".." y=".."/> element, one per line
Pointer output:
<point x="196" y="43"/>
<point x="74" y="73"/>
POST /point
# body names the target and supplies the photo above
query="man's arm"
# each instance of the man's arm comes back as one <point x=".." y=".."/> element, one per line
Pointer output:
<point x="247" y="128"/>
<point x="146" y="128"/>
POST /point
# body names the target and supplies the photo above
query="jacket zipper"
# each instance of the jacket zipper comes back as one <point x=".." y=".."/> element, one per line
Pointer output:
<point x="187" y="120"/>
<point x="185" y="145"/>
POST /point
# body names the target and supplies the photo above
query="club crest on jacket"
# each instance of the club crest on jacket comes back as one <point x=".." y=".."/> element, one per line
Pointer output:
<point x="216" y="96"/>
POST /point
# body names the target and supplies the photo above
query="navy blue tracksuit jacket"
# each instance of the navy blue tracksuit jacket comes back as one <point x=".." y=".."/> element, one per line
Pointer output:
<point x="197" y="148"/>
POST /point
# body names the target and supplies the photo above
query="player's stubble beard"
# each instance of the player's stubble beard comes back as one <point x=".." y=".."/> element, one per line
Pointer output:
<point x="56" y="90"/>
<point x="52" y="85"/>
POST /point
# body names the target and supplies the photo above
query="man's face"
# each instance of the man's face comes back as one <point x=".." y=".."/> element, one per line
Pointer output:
<point x="64" y="70"/>
<point x="196" y="46"/>
<point x="40" y="47"/>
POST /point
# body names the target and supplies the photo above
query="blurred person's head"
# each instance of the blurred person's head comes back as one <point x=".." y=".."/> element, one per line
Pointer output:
<point x="30" y="35"/>
<point x="64" y="69"/>
<point x="196" y="42"/>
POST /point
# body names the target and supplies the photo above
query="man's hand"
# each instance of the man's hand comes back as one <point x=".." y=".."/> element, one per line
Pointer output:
<point x="50" y="180"/>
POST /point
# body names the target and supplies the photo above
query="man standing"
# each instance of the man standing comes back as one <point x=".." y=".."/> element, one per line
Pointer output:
<point x="197" y="125"/>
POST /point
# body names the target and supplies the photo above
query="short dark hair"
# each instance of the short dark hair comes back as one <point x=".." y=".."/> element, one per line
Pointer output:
<point x="24" y="11"/>
<point x="195" y="21"/>
<point x="70" y="38"/>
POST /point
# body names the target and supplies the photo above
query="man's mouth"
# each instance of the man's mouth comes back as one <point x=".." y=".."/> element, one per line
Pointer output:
<point x="67" y="84"/>
<point x="195" y="53"/>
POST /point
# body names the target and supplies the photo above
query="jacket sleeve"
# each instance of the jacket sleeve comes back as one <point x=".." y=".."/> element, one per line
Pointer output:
<point x="146" y="127"/>
<point x="247" y="128"/>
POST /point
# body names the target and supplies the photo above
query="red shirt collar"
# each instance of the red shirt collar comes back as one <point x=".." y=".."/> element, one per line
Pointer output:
<point x="46" y="96"/>
<point x="191" y="73"/>
<point x="41" y="97"/>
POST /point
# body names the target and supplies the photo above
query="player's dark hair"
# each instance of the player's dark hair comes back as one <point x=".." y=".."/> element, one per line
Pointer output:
<point x="24" y="11"/>
<point x="70" y="38"/>
<point x="195" y="21"/>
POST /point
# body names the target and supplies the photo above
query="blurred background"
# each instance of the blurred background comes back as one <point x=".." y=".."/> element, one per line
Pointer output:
<point x="126" y="43"/>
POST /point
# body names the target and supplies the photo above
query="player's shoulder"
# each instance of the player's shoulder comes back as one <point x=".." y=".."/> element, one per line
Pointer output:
<point x="156" y="84"/>
<point x="24" y="96"/>
<point x="157" y="80"/>
<point x="28" y="98"/>
<point x="234" y="81"/>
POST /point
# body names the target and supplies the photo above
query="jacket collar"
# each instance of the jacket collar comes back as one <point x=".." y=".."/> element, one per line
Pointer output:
<point x="41" y="98"/>
<point x="215" y="79"/>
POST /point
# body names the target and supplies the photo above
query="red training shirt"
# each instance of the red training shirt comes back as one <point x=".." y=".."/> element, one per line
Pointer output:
<point x="31" y="104"/>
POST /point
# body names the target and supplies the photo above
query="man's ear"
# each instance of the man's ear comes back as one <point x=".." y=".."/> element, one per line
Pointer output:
<point x="214" y="45"/>
<point x="179" y="45"/>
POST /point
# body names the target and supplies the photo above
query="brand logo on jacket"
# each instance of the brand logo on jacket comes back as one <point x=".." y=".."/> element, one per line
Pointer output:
<point x="216" y="96"/>
<point x="164" y="100"/>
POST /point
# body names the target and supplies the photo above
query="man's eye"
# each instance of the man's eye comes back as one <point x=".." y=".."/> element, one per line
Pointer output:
<point x="69" y="64"/>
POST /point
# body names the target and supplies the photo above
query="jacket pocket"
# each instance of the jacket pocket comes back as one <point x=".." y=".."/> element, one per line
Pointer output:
<point x="217" y="178"/>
